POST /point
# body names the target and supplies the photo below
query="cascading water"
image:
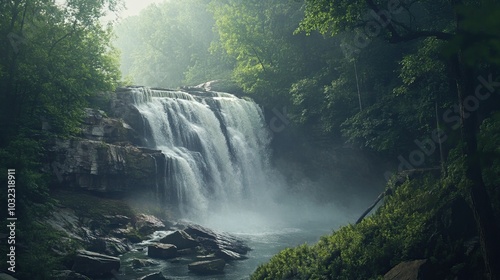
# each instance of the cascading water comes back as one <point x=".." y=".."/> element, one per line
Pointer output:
<point x="216" y="168"/>
<point x="215" y="145"/>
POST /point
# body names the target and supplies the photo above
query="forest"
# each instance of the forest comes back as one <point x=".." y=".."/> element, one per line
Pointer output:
<point x="414" y="82"/>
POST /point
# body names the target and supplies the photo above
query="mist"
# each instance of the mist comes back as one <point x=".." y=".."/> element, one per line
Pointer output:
<point x="177" y="43"/>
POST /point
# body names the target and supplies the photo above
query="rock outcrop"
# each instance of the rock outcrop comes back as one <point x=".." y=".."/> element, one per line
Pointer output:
<point x="96" y="126"/>
<point x="110" y="246"/>
<point x="147" y="224"/>
<point x="94" y="264"/>
<point x="162" y="251"/>
<point x="107" y="156"/>
<point x="98" y="166"/>
<point x="180" y="239"/>
<point x="223" y="245"/>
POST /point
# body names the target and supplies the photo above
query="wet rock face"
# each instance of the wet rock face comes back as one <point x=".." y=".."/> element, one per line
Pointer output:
<point x="223" y="245"/>
<point x="98" y="166"/>
<point x="121" y="106"/>
<point x="147" y="224"/>
<point x="96" y="126"/>
<point x="110" y="246"/>
<point x="107" y="155"/>
<point x="162" y="251"/>
<point x="180" y="239"/>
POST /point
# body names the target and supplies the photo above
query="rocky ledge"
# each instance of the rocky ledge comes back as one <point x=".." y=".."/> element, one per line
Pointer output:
<point x="208" y="250"/>
<point x="113" y="240"/>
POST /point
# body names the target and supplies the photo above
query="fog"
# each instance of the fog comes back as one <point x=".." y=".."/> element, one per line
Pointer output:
<point x="177" y="43"/>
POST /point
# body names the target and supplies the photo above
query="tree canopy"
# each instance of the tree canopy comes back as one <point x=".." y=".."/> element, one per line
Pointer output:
<point x="53" y="56"/>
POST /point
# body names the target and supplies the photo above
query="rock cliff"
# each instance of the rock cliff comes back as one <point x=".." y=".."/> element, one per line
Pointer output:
<point x="108" y="155"/>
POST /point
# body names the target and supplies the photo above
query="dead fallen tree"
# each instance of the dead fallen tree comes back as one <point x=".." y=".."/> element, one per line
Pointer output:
<point x="398" y="179"/>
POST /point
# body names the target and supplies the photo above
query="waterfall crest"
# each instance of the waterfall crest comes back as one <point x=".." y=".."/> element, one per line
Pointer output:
<point x="216" y="147"/>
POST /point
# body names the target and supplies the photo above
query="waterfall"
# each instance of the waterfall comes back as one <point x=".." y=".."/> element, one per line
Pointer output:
<point x="215" y="146"/>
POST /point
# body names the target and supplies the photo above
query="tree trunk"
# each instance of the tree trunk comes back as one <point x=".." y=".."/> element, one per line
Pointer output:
<point x="480" y="202"/>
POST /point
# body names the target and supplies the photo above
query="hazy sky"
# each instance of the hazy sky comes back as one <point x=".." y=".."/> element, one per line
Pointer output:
<point x="134" y="6"/>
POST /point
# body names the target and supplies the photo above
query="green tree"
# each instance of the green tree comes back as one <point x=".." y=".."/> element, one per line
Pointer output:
<point x="258" y="35"/>
<point x="405" y="21"/>
<point x="167" y="45"/>
<point x="52" y="58"/>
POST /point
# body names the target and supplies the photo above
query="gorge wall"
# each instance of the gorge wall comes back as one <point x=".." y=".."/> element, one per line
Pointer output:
<point x="195" y="148"/>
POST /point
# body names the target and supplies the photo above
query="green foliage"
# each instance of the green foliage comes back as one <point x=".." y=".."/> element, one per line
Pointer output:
<point x="402" y="229"/>
<point x="54" y="57"/>
<point x="25" y="155"/>
<point x="41" y="250"/>
<point x="423" y="69"/>
<point x="377" y="128"/>
<point x="168" y="45"/>
<point x="489" y="147"/>
<point x="479" y="39"/>
<point x="331" y="17"/>
<point x="59" y="55"/>
<point x="258" y="36"/>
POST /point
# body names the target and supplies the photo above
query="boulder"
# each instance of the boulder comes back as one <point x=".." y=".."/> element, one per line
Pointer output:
<point x="116" y="221"/>
<point x="215" y="242"/>
<point x="140" y="263"/>
<point x="93" y="264"/>
<point x="229" y="255"/>
<point x="207" y="267"/>
<point x="411" y="270"/>
<point x="162" y="251"/>
<point x="154" y="276"/>
<point x="147" y="224"/>
<point x="68" y="275"/>
<point x="110" y="246"/>
<point x="180" y="239"/>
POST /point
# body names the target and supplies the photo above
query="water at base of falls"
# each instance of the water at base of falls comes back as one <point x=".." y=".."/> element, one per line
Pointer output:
<point x="264" y="244"/>
<point x="216" y="149"/>
<point x="217" y="171"/>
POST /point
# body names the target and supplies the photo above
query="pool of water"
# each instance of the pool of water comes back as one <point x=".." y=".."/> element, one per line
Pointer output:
<point x="264" y="242"/>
